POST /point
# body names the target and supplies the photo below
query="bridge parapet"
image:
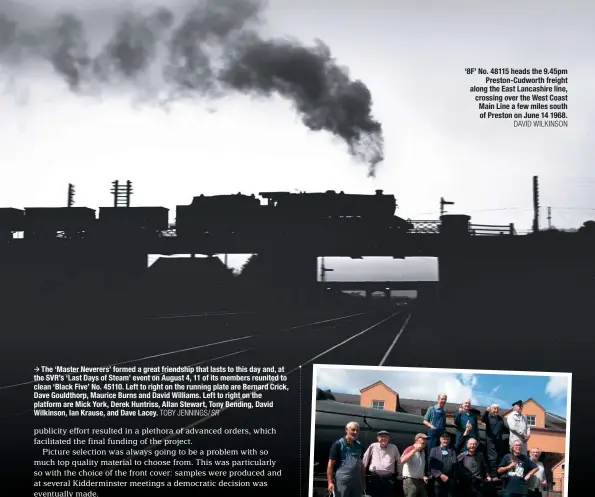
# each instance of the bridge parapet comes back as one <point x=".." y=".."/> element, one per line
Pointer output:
<point x="425" y="227"/>
<point x="432" y="227"/>
<point x="492" y="230"/>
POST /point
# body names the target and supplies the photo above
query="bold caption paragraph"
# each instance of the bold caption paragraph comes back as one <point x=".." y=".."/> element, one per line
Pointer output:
<point x="62" y="391"/>
<point x="527" y="98"/>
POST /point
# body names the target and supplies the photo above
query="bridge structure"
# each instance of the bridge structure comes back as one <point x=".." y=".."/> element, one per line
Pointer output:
<point x="423" y="288"/>
<point x="469" y="255"/>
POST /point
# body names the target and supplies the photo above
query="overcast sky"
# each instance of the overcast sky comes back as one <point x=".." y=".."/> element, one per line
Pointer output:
<point x="410" y="54"/>
<point x="482" y="388"/>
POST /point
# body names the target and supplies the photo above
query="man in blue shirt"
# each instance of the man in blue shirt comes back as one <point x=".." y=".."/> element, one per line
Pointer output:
<point x="345" y="461"/>
<point x="435" y="420"/>
<point x="518" y="469"/>
<point x="463" y="418"/>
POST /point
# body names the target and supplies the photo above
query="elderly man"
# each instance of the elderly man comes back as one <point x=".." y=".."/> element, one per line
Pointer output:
<point x="537" y="481"/>
<point x="435" y="420"/>
<point x="443" y="465"/>
<point x="465" y="419"/>
<point x="383" y="460"/>
<point x="518" y="426"/>
<point x="414" y="468"/>
<point x="494" y="424"/>
<point x="518" y="469"/>
<point x="345" y="461"/>
<point x="472" y="470"/>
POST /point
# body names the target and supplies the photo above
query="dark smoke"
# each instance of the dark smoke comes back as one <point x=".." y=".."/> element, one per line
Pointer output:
<point x="7" y="33"/>
<point x="322" y="91"/>
<point x="214" y="25"/>
<point x="212" y="50"/>
<point x="134" y="46"/>
<point x="68" y="50"/>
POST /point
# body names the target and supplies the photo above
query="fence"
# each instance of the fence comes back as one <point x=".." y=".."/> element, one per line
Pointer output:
<point x="433" y="227"/>
<point x="425" y="227"/>
<point x="492" y="229"/>
<point x="422" y="227"/>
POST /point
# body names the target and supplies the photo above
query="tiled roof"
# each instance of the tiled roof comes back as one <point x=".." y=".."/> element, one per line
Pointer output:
<point x="413" y="406"/>
<point x="410" y="406"/>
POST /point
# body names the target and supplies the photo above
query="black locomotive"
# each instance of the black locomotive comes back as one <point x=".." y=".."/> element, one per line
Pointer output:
<point x="285" y="211"/>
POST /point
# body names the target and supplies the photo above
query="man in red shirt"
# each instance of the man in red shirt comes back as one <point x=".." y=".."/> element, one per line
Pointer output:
<point x="414" y="468"/>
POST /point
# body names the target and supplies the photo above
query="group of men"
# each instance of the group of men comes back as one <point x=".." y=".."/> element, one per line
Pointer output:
<point x="432" y="466"/>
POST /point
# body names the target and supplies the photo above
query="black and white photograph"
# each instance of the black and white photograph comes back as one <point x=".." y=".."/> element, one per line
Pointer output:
<point x="202" y="199"/>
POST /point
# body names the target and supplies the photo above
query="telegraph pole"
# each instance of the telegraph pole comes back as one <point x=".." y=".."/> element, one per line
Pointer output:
<point x="535" y="204"/>
<point x="442" y="204"/>
<point x="115" y="191"/>
<point x="549" y="218"/>
<point x="122" y="193"/>
<point x="70" y="195"/>
<point x="128" y="192"/>
<point x="323" y="270"/>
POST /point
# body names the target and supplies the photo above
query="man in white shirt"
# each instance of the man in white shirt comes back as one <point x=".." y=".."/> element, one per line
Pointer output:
<point x="383" y="460"/>
<point x="537" y="481"/>
<point x="414" y="468"/>
<point x="518" y="426"/>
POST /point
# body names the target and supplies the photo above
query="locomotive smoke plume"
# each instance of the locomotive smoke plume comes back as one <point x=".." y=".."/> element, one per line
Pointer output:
<point x="211" y="50"/>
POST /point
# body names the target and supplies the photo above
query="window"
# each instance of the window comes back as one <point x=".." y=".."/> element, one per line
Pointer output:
<point x="378" y="404"/>
<point x="531" y="420"/>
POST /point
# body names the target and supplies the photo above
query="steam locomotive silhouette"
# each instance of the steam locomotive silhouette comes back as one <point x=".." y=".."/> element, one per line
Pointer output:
<point x="284" y="211"/>
<point x="212" y="215"/>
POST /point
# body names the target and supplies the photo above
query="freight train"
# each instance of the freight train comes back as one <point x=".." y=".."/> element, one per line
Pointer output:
<point x="44" y="223"/>
<point x="211" y="215"/>
<point x="331" y="417"/>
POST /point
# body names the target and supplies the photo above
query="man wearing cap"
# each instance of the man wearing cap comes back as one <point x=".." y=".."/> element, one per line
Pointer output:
<point x="435" y="420"/>
<point x="443" y="465"/>
<point x="414" y="468"/>
<point x="345" y="461"/>
<point x="384" y="463"/>
<point x="518" y="426"/>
